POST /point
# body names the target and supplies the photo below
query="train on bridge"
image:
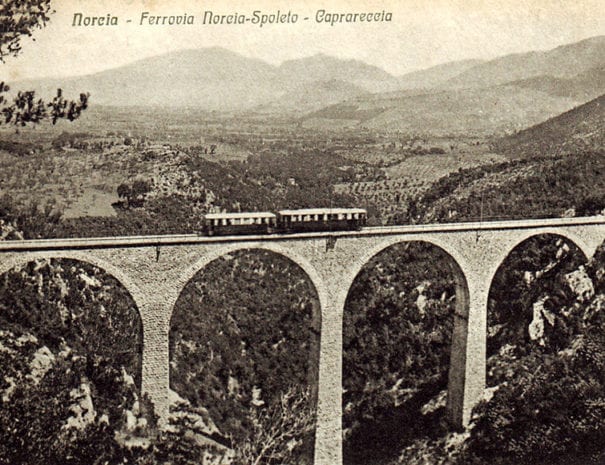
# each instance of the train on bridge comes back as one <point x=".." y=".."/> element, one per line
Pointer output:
<point x="284" y="221"/>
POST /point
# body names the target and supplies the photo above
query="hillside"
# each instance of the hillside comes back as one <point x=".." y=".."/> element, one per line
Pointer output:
<point x="584" y="86"/>
<point x="545" y="366"/>
<point x="436" y="75"/>
<point x="556" y="169"/>
<point x="529" y="188"/>
<point x="311" y="96"/>
<point x="582" y="128"/>
<point x="562" y="62"/>
<point x="323" y="68"/>
<point x="466" y="111"/>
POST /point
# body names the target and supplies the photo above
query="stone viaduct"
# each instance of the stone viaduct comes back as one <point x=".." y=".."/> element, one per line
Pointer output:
<point x="154" y="269"/>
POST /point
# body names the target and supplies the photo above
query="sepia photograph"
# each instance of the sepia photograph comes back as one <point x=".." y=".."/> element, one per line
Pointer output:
<point x="302" y="232"/>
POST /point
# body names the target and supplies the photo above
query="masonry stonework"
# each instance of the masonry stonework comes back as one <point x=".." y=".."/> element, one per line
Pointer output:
<point x="156" y="269"/>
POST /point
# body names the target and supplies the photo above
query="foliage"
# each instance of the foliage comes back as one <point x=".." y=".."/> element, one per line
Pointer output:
<point x="65" y="301"/>
<point x="549" y="406"/>
<point x="135" y="193"/>
<point x="397" y="332"/>
<point x="69" y="139"/>
<point x="183" y="444"/>
<point x="20" y="149"/>
<point x="535" y="188"/>
<point x="534" y="269"/>
<point x="25" y="108"/>
<point x="29" y="221"/>
<point x="552" y="407"/>
<point x="71" y="366"/>
<point x="244" y="331"/>
<point x="19" y="18"/>
<point x="34" y="422"/>
<point x="277" y="431"/>
<point x="264" y="182"/>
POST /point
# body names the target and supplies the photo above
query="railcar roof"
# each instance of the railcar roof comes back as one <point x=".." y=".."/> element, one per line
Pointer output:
<point x="321" y="211"/>
<point x="220" y="216"/>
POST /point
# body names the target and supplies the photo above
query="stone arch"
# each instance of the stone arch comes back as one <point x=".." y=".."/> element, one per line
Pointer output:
<point x="216" y="253"/>
<point x="312" y="278"/>
<point x="455" y="377"/>
<point x="14" y="260"/>
<point x="457" y="261"/>
<point x="519" y="293"/>
<point x="524" y="235"/>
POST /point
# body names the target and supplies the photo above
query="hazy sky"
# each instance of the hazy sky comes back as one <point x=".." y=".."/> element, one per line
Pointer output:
<point x="422" y="33"/>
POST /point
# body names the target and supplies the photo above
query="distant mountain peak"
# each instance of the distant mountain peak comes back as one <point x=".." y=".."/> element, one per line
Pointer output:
<point x="322" y="67"/>
<point x="564" y="61"/>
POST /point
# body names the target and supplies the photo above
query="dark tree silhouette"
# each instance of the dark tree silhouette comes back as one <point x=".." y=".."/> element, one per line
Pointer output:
<point x="18" y="19"/>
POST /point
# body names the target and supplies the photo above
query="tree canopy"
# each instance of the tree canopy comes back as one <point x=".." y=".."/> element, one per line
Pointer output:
<point x="18" y="19"/>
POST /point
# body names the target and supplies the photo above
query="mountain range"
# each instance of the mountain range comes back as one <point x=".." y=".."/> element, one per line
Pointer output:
<point x="477" y="96"/>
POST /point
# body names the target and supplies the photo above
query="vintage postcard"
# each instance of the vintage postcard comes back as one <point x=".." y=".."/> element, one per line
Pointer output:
<point x="310" y="232"/>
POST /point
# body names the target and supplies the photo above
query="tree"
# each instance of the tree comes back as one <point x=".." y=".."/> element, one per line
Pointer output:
<point x="140" y="189"/>
<point x="31" y="220"/>
<point x="19" y="18"/>
<point x="135" y="194"/>
<point x="125" y="192"/>
<point x="277" y="431"/>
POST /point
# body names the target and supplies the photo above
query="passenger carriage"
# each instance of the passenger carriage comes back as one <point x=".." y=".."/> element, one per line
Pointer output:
<point x="321" y="219"/>
<point x="239" y="223"/>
